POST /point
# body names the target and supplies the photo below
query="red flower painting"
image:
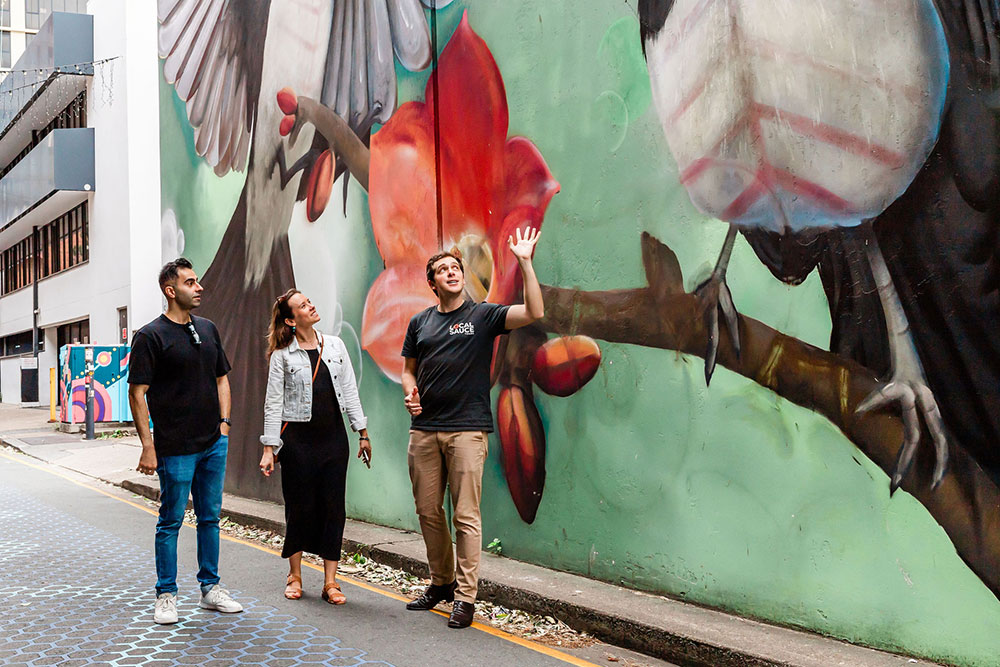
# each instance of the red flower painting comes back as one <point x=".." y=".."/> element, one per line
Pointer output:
<point x="491" y="184"/>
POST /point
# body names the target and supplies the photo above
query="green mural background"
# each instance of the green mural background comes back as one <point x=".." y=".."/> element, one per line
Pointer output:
<point x="729" y="496"/>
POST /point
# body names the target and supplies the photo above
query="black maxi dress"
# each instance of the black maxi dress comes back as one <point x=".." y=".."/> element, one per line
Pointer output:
<point x="313" y="463"/>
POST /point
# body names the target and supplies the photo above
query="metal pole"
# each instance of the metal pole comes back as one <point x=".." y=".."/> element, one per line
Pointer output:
<point x="34" y="290"/>
<point x="36" y="273"/>
<point x="89" y="381"/>
<point x="437" y="128"/>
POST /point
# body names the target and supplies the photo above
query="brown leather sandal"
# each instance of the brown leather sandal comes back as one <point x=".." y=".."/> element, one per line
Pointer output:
<point x="293" y="593"/>
<point x="333" y="594"/>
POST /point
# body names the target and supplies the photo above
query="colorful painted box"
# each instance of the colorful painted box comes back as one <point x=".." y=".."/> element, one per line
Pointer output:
<point x="110" y="383"/>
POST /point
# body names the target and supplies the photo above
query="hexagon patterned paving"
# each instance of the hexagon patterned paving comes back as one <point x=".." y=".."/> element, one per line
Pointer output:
<point x="98" y="616"/>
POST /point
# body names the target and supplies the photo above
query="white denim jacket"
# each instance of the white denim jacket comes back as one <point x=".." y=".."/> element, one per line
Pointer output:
<point x="289" y="387"/>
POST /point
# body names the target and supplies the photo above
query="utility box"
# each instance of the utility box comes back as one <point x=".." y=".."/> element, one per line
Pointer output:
<point x="110" y="383"/>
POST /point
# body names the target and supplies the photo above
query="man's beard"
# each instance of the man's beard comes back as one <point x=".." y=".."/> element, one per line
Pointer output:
<point x="187" y="303"/>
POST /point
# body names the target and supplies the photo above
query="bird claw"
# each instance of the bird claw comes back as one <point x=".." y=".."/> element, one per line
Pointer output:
<point x="715" y="296"/>
<point x="915" y="399"/>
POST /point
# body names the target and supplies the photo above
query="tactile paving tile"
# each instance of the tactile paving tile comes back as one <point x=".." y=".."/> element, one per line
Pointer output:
<point x="97" y="614"/>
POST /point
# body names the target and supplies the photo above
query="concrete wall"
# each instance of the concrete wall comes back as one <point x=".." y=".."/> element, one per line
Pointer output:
<point x="762" y="492"/>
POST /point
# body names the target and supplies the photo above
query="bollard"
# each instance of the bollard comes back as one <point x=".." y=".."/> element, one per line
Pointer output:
<point x="53" y="388"/>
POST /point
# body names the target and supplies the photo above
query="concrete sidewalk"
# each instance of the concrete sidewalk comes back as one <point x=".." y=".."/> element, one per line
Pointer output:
<point x="658" y="626"/>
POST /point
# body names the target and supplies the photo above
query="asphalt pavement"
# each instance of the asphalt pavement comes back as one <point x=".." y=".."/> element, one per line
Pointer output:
<point x="76" y="588"/>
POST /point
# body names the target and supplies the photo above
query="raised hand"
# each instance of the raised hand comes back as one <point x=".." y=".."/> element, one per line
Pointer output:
<point x="523" y="247"/>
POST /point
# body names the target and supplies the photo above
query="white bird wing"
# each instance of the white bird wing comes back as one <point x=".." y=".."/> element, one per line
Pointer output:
<point x="360" y="79"/>
<point x="212" y="53"/>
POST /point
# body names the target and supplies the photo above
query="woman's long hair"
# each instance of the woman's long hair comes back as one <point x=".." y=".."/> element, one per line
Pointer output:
<point x="279" y="334"/>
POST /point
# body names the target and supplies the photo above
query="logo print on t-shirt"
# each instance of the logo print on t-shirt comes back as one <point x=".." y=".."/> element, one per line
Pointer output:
<point x="462" y="329"/>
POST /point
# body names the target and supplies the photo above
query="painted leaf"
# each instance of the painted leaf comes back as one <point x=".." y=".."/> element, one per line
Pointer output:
<point x="522" y="440"/>
<point x="563" y="365"/>
<point x="789" y="114"/>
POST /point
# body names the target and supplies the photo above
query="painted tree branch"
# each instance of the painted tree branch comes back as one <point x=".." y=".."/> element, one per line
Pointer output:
<point x="663" y="315"/>
<point x="338" y="134"/>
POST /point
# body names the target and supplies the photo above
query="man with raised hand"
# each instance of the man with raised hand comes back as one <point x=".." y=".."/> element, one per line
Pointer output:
<point x="446" y="386"/>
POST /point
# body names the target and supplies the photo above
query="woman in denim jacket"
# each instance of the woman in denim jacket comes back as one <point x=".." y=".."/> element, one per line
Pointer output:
<point x="310" y="381"/>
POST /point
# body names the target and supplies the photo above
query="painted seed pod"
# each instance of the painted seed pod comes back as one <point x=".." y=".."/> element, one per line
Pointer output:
<point x="522" y="440"/>
<point x="563" y="365"/>
<point x="320" y="185"/>
<point x="288" y="102"/>
<point x="287" y="123"/>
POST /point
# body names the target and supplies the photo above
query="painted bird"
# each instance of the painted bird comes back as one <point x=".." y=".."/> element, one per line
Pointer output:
<point x="941" y="241"/>
<point x="227" y="60"/>
<point x="801" y="122"/>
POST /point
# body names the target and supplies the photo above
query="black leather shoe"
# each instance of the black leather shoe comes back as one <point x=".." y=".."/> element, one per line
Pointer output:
<point x="461" y="614"/>
<point x="432" y="596"/>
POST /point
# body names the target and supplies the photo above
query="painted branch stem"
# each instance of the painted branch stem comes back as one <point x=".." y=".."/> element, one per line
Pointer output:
<point x="343" y="141"/>
<point x="663" y="315"/>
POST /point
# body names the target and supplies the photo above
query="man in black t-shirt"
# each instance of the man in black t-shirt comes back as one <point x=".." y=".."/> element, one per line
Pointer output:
<point x="446" y="388"/>
<point x="178" y="376"/>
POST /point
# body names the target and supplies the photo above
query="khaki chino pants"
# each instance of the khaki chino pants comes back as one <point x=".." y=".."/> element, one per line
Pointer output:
<point x="455" y="459"/>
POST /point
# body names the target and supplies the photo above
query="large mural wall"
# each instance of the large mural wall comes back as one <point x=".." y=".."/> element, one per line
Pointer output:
<point x="768" y="378"/>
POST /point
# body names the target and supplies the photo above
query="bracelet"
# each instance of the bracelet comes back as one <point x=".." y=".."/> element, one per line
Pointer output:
<point x="364" y="437"/>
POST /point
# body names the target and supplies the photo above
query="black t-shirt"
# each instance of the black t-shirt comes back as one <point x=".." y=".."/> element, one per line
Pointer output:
<point x="453" y="352"/>
<point x="183" y="396"/>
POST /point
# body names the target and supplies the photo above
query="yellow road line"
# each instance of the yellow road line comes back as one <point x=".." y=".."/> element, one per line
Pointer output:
<point x="488" y="629"/>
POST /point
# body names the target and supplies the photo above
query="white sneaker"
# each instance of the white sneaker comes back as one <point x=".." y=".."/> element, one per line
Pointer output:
<point x="219" y="599"/>
<point x="165" y="611"/>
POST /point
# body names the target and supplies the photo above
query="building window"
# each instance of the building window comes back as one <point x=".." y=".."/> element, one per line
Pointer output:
<point x="16" y="266"/>
<point x="33" y="13"/>
<point x="20" y="343"/>
<point x="62" y="244"/>
<point x="73" y="333"/>
<point x="36" y="12"/>
<point x="5" y="13"/>
<point x="5" y="49"/>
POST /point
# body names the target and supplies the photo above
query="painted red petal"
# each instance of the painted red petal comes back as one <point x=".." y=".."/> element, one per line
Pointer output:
<point x="286" y="125"/>
<point x="529" y="187"/>
<point x="522" y="441"/>
<point x="401" y="195"/>
<point x="397" y="294"/>
<point x="473" y="123"/>
<point x="506" y="281"/>
<point x="527" y="179"/>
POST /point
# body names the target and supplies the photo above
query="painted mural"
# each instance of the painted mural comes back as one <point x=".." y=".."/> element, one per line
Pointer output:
<point x="700" y="412"/>
<point x="110" y="385"/>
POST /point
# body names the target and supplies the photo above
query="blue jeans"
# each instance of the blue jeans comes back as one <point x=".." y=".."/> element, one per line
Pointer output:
<point x="201" y="475"/>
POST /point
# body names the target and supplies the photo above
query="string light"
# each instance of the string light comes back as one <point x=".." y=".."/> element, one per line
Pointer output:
<point x="103" y="68"/>
<point x="78" y="68"/>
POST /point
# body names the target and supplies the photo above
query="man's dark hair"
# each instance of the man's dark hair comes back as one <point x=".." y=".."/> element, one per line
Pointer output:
<point x="169" y="271"/>
<point x="435" y="258"/>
